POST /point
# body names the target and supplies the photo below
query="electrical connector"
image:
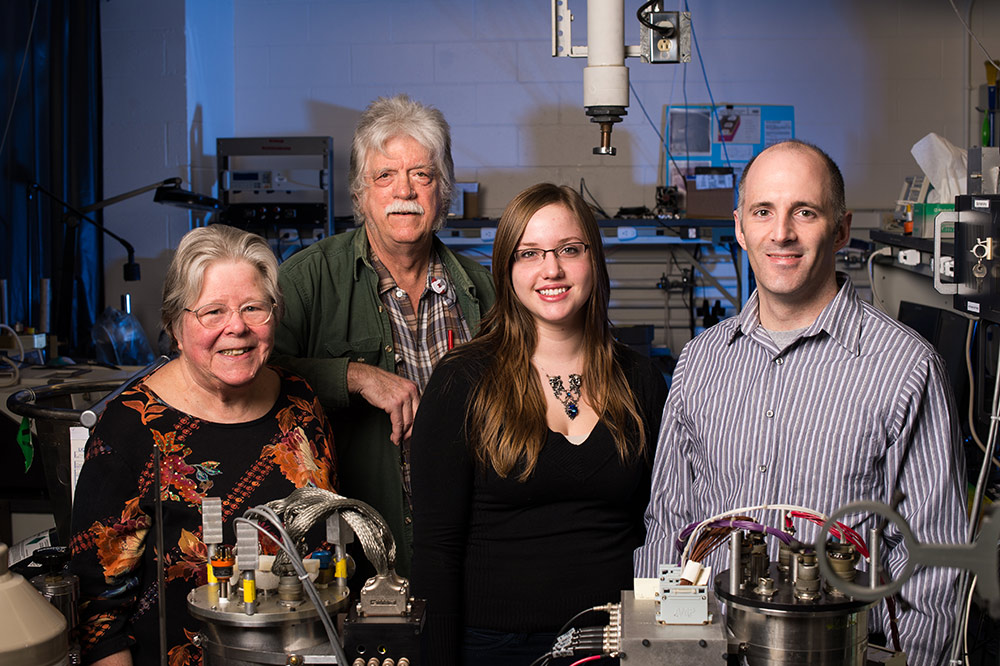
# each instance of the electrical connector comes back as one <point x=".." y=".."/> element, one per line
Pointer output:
<point x="909" y="257"/>
<point x="948" y="267"/>
<point x="682" y="603"/>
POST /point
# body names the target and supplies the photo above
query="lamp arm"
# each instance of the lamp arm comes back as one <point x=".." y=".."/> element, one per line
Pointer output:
<point x="104" y="203"/>
<point x="83" y="216"/>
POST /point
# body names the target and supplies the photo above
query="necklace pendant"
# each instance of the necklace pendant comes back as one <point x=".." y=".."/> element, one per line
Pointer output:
<point x="569" y="398"/>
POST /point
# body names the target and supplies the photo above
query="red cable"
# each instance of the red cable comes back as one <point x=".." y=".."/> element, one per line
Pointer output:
<point x="594" y="657"/>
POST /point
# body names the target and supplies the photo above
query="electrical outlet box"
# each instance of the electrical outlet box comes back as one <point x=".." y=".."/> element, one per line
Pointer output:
<point x="671" y="42"/>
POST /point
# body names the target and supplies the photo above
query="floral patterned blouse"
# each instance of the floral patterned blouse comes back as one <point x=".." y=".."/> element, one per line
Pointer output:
<point x="113" y="546"/>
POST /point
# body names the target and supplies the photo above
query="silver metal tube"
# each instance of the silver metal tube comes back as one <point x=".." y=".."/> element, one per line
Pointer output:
<point x="249" y="600"/>
<point x="735" y="545"/>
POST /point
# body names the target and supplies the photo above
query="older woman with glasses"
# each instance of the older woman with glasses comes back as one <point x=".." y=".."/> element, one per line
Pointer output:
<point x="532" y="448"/>
<point x="226" y="425"/>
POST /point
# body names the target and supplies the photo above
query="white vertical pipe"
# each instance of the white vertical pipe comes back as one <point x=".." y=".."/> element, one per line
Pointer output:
<point x="605" y="32"/>
<point x="605" y="79"/>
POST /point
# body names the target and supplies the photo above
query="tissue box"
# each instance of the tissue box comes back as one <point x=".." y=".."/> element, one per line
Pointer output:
<point x="923" y="220"/>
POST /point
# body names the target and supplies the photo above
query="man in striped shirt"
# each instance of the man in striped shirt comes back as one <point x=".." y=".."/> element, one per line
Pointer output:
<point x="811" y="397"/>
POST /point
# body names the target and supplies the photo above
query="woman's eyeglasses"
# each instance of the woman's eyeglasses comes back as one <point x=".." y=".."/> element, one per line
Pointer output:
<point x="216" y="315"/>
<point x="565" y="252"/>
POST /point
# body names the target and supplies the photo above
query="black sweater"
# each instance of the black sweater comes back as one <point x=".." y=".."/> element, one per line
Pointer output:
<point x="500" y="554"/>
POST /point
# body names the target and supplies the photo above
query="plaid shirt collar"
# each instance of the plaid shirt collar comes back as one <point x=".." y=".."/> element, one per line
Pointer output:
<point x="436" y="275"/>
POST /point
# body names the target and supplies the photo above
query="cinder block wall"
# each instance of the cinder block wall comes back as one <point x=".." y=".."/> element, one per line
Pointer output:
<point x="867" y="80"/>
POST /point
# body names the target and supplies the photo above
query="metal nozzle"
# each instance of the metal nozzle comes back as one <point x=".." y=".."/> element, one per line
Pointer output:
<point x="605" y="148"/>
<point x="606" y="117"/>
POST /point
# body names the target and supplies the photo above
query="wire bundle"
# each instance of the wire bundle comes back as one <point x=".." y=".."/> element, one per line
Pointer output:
<point x="841" y="531"/>
<point x="587" y="640"/>
<point x="691" y="534"/>
<point x="717" y="532"/>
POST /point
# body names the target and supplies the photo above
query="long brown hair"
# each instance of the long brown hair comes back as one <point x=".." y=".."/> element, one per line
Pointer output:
<point x="506" y="424"/>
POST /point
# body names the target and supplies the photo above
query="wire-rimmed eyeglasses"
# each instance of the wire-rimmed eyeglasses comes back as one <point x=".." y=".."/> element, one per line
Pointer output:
<point x="422" y="176"/>
<point x="565" y="252"/>
<point x="217" y="315"/>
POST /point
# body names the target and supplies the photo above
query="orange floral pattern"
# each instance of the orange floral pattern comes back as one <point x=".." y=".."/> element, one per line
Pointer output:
<point x="120" y="545"/>
<point x="190" y="564"/>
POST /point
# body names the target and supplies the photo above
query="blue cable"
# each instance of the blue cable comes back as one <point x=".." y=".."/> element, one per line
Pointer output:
<point x="694" y="38"/>
<point x="650" y="120"/>
<point x="663" y="141"/>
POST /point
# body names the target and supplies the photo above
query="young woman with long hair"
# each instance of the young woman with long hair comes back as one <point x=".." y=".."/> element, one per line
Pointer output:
<point x="532" y="448"/>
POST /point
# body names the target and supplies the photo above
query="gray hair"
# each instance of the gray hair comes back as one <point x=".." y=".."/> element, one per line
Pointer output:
<point x="204" y="246"/>
<point x="389" y="117"/>
<point x="838" y="200"/>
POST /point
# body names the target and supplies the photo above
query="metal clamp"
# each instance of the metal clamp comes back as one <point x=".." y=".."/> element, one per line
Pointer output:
<point x="939" y="286"/>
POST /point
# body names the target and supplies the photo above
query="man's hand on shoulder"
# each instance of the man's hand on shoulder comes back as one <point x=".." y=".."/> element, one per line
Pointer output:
<point x="395" y="395"/>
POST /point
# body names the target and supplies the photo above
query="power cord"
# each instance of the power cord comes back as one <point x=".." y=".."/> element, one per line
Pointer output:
<point x="15" y="378"/>
<point x="881" y="252"/>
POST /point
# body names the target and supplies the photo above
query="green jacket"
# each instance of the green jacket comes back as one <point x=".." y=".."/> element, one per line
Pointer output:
<point x="333" y="315"/>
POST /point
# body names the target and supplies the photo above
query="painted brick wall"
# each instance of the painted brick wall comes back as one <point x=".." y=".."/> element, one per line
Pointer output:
<point x="867" y="80"/>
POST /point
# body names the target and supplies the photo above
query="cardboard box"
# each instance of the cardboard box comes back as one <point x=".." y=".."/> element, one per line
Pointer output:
<point x="710" y="195"/>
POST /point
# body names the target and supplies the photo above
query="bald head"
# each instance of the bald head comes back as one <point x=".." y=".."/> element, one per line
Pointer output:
<point x="835" y="181"/>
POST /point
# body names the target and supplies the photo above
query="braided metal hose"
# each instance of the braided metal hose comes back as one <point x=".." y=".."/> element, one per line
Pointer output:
<point x="304" y="507"/>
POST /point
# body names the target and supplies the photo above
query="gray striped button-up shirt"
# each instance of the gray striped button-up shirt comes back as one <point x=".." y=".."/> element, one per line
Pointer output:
<point x="855" y="408"/>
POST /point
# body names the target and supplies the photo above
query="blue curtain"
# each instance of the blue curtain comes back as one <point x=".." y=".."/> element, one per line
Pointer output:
<point x="50" y="88"/>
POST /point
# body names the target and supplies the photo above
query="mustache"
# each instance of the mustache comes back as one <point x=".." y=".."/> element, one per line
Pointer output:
<point x="404" y="207"/>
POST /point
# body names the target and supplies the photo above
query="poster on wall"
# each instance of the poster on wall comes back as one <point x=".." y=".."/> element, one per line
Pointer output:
<point x="727" y="135"/>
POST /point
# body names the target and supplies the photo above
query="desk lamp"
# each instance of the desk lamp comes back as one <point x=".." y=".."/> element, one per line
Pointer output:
<point x="167" y="192"/>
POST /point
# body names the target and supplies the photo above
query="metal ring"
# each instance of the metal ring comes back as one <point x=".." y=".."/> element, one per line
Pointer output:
<point x="22" y="402"/>
<point x="863" y="592"/>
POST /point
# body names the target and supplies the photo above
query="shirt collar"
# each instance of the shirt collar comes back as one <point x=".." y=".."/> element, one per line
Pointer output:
<point x="840" y="319"/>
<point x="435" y="271"/>
<point x="361" y="252"/>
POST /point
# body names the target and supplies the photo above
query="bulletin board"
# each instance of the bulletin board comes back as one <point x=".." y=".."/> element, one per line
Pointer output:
<point x="695" y="136"/>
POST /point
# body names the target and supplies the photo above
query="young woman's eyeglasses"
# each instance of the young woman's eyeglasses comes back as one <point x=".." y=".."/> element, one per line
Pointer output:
<point x="216" y="315"/>
<point x="565" y="252"/>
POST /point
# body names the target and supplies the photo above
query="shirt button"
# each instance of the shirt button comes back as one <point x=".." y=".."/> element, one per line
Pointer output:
<point x="407" y="520"/>
<point x="399" y="357"/>
<point x="400" y="293"/>
<point x="779" y="361"/>
<point x="769" y="413"/>
<point x="388" y="349"/>
<point x="762" y="468"/>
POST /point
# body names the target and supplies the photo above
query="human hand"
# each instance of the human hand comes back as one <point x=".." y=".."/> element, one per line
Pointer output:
<point x="391" y="393"/>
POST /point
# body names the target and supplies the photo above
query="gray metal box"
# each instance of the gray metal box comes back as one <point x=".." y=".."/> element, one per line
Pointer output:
<point x="646" y="642"/>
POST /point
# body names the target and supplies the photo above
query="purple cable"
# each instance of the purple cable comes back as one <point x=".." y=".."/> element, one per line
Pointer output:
<point x="737" y="524"/>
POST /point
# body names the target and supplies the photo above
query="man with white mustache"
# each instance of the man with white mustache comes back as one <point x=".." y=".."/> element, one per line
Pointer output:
<point x="812" y="397"/>
<point x="369" y="313"/>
